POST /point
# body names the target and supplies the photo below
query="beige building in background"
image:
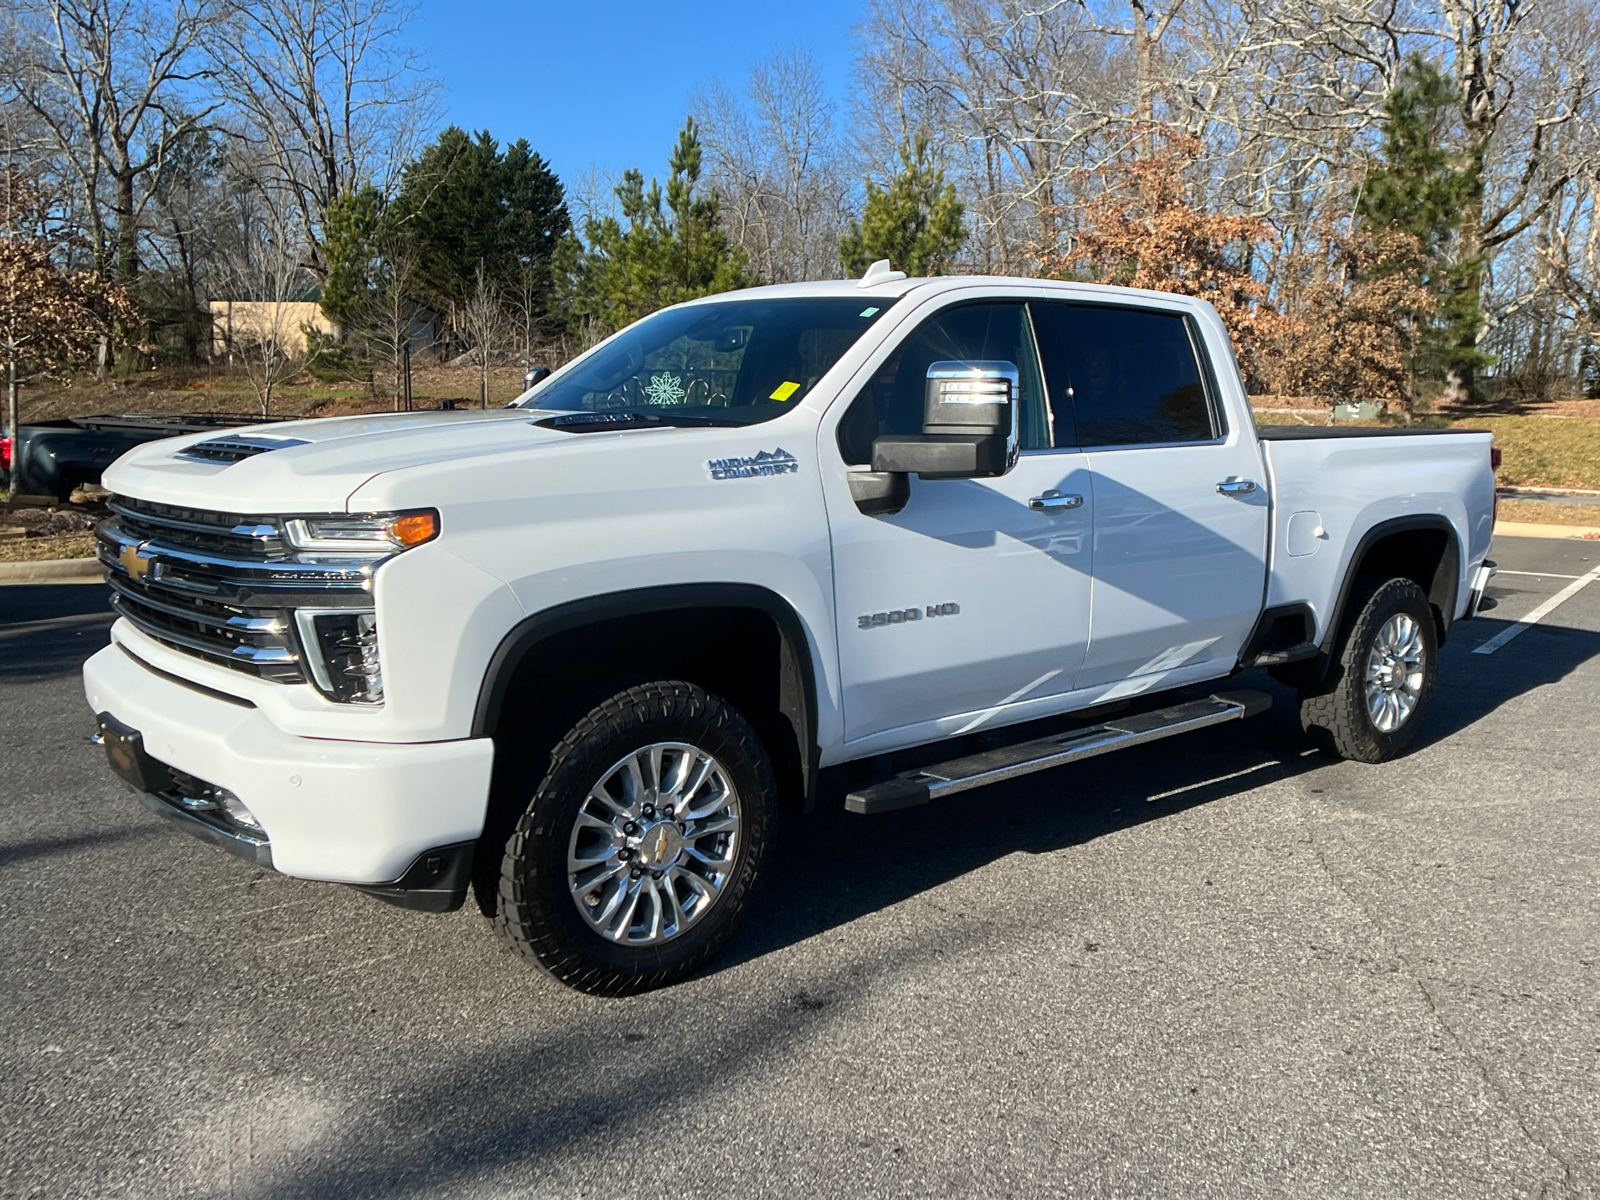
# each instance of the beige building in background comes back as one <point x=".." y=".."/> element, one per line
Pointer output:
<point x="253" y="321"/>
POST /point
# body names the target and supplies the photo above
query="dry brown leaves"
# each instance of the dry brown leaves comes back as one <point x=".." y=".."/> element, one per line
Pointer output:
<point x="1143" y="231"/>
<point x="48" y="316"/>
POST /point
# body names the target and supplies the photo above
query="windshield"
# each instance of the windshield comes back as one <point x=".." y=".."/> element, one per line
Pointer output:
<point x="734" y="362"/>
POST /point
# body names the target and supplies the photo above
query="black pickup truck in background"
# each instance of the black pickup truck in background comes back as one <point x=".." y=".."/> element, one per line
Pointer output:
<point x="52" y="459"/>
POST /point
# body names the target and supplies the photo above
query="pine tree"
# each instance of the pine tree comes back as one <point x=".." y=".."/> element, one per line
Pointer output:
<point x="915" y="222"/>
<point x="667" y="247"/>
<point x="350" y="247"/>
<point x="1420" y="189"/>
<point x="464" y="201"/>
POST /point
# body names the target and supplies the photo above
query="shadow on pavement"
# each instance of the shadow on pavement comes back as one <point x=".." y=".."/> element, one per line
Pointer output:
<point x="18" y="852"/>
<point x="48" y="629"/>
<point x="605" y="1074"/>
<point x="833" y="867"/>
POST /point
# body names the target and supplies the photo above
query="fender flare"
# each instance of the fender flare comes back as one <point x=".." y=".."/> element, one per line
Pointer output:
<point x="797" y="666"/>
<point x="1442" y="594"/>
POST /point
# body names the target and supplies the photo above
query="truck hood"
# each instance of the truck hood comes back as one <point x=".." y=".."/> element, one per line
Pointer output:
<point x="315" y="466"/>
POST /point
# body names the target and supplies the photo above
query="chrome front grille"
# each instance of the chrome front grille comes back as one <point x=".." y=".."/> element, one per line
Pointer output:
<point x="221" y="586"/>
<point x="228" y="534"/>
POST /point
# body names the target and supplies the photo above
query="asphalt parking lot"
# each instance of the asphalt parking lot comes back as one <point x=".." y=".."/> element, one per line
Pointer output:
<point x="1222" y="967"/>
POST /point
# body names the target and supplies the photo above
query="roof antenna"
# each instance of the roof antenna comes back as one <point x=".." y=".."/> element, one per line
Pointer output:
<point x="880" y="272"/>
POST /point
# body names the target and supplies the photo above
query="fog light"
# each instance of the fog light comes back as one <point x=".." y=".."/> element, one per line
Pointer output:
<point x="341" y="648"/>
<point x="234" y="809"/>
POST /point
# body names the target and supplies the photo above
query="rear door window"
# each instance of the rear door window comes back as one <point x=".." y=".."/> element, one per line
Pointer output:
<point x="1134" y="376"/>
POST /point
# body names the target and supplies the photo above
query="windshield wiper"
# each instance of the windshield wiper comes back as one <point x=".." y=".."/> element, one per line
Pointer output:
<point x="669" y="417"/>
<point x="627" y="418"/>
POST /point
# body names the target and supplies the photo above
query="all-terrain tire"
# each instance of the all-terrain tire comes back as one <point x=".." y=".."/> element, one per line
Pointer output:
<point x="535" y="910"/>
<point x="1335" y="713"/>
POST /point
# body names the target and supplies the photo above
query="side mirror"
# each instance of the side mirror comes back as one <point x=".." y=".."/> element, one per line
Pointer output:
<point x="534" y="376"/>
<point x="969" y="425"/>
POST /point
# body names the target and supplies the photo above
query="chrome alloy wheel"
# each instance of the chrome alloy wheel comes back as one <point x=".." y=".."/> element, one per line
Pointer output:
<point x="654" y="843"/>
<point x="1394" y="673"/>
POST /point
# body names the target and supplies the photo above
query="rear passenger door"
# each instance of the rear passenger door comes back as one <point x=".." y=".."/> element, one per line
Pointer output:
<point x="1180" y="534"/>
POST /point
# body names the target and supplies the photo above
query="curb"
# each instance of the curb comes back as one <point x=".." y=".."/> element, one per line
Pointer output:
<point x="53" y="570"/>
<point x="1589" y="533"/>
<point x="1513" y="491"/>
<point x="1532" y="496"/>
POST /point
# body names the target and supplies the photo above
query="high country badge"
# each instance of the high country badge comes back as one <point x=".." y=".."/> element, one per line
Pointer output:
<point x="768" y="462"/>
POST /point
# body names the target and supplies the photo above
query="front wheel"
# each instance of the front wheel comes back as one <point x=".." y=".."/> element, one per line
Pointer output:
<point x="1379" y="687"/>
<point x="634" y="860"/>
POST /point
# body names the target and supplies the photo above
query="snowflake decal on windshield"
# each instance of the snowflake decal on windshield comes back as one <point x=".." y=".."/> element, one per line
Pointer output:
<point x="665" y="389"/>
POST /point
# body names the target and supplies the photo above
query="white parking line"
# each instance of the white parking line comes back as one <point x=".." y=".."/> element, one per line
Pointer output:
<point x="1538" y="614"/>
<point x="1540" y="574"/>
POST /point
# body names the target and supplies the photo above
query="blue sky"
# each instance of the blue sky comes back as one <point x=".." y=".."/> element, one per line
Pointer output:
<point x="608" y="81"/>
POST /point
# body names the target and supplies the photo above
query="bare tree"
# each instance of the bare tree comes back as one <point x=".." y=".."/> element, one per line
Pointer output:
<point x="327" y="94"/>
<point x="776" y="162"/>
<point x="483" y="320"/>
<point x="115" y="85"/>
<point x="390" y="316"/>
<point x="261" y="319"/>
<point x="592" y="194"/>
<point x="1017" y="99"/>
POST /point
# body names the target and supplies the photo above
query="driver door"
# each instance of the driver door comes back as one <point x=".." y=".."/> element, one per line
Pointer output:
<point x="970" y="606"/>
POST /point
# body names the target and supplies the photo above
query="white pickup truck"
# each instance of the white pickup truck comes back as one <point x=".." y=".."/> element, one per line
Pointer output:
<point x="574" y="655"/>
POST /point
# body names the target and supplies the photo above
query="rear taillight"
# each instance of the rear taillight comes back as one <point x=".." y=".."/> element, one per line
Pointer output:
<point x="5" y="454"/>
<point x="1494" y="457"/>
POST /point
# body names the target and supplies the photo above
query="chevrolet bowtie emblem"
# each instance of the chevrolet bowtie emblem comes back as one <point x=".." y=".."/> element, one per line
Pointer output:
<point x="136" y="561"/>
<point x="661" y="845"/>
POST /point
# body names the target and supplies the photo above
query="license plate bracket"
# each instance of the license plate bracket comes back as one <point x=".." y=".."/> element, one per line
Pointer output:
<point x="129" y="760"/>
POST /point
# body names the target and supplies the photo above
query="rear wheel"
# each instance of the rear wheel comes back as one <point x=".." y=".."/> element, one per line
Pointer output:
<point x="634" y="859"/>
<point x="1380" y="685"/>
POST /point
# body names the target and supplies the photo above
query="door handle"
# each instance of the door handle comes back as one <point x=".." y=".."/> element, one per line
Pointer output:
<point x="1234" y="486"/>
<point x="1054" y="501"/>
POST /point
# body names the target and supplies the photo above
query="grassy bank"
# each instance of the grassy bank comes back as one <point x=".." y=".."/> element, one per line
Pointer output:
<point x="44" y="549"/>
<point x="1535" y="513"/>
<point x="218" y="390"/>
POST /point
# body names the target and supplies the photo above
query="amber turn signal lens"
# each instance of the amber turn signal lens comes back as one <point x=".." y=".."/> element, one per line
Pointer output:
<point x="414" y="528"/>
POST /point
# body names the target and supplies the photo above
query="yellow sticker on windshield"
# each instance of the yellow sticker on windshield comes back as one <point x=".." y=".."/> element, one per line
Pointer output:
<point x="784" y="390"/>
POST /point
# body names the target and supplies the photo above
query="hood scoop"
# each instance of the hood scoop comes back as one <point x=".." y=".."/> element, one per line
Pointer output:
<point x="236" y="449"/>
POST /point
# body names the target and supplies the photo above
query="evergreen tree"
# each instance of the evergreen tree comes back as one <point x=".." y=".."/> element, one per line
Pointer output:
<point x="668" y="247"/>
<point x="350" y="247"/>
<point x="464" y="201"/>
<point x="915" y="222"/>
<point x="1420" y="189"/>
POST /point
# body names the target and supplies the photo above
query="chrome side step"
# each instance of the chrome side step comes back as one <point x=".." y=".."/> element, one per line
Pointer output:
<point x="911" y="788"/>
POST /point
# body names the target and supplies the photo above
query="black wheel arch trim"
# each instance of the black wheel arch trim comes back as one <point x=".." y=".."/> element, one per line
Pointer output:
<point x="796" y="668"/>
<point x="1442" y="594"/>
<point x="1256" y="652"/>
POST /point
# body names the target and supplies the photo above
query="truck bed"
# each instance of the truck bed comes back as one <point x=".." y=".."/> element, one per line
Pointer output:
<point x="1331" y="483"/>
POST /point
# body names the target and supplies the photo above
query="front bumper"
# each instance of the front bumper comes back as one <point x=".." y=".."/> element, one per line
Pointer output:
<point x="337" y="811"/>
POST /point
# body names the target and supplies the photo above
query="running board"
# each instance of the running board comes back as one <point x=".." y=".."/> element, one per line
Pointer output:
<point x="912" y="788"/>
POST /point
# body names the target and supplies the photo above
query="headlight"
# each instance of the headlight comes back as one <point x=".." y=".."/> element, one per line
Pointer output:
<point x="363" y="533"/>
<point x="341" y="648"/>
